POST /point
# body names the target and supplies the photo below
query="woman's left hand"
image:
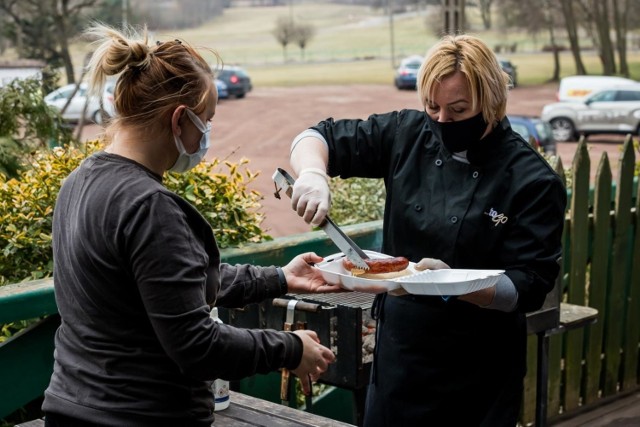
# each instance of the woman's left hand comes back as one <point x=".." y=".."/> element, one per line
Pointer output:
<point x="482" y="298"/>
<point x="303" y="278"/>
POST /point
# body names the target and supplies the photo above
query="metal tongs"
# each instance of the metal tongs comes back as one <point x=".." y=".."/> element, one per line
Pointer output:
<point x="284" y="182"/>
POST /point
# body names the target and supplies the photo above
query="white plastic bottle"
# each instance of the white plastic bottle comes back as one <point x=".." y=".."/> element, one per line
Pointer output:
<point x="219" y="387"/>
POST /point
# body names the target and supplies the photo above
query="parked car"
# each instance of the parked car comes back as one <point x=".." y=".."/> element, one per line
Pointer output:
<point x="534" y="127"/>
<point x="108" y="103"/>
<point x="510" y="69"/>
<point x="612" y="110"/>
<point x="407" y="72"/>
<point x="237" y="80"/>
<point x="223" y="90"/>
<point x="58" y="99"/>
<point x="577" y="88"/>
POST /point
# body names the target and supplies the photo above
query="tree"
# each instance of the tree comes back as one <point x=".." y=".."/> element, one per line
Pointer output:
<point x="598" y="26"/>
<point x="42" y="29"/>
<point x="620" y="16"/>
<point x="535" y="16"/>
<point x="301" y="35"/>
<point x="485" y="13"/>
<point x="572" y="34"/>
<point x="547" y="7"/>
<point x="283" y="33"/>
<point x="602" y="21"/>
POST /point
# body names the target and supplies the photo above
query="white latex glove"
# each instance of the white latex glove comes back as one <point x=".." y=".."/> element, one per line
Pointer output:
<point x="423" y="264"/>
<point x="430" y="264"/>
<point x="311" y="197"/>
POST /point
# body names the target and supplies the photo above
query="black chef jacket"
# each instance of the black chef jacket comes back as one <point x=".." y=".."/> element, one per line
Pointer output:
<point x="450" y="362"/>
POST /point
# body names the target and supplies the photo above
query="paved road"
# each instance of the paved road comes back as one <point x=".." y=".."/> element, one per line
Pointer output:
<point x="261" y="126"/>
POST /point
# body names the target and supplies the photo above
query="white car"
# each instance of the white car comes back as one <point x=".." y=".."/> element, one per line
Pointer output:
<point x="613" y="110"/>
<point x="578" y="88"/>
<point x="58" y="99"/>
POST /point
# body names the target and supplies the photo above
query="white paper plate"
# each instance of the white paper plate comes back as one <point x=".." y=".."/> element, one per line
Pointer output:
<point x="333" y="272"/>
<point x="449" y="281"/>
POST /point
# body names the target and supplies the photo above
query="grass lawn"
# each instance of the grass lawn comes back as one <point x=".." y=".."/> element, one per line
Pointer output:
<point x="352" y="44"/>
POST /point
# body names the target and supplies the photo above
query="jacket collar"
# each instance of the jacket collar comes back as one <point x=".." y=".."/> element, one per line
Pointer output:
<point x="488" y="147"/>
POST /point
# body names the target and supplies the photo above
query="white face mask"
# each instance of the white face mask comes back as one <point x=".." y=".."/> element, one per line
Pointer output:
<point x="188" y="161"/>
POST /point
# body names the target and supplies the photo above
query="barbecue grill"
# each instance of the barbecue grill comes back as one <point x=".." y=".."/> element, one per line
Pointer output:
<point x="341" y="320"/>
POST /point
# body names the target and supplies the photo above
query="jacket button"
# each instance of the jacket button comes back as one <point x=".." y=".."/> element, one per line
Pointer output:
<point x="438" y="162"/>
<point x="475" y="174"/>
<point x="454" y="219"/>
<point x="418" y="208"/>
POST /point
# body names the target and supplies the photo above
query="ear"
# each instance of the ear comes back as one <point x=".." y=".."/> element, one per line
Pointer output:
<point x="175" y="120"/>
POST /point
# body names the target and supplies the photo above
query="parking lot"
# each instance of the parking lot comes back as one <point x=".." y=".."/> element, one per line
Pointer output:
<point x="260" y="127"/>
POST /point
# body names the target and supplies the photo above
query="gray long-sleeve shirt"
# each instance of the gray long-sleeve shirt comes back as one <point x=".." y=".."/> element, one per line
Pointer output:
<point x="135" y="269"/>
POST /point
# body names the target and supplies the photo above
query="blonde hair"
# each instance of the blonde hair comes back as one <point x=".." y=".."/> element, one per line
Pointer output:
<point x="153" y="80"/>
<point x="488" y="83"/>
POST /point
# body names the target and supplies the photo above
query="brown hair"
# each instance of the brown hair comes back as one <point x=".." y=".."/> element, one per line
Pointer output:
<point x="488" y="83"/>
<point x="153" y="80"/>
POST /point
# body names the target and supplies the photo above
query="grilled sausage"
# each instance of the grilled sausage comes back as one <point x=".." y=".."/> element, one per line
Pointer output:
<point x="382" y="265"/>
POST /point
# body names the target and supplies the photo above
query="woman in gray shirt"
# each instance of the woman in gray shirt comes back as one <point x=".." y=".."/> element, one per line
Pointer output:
<point x="137" y="268"/>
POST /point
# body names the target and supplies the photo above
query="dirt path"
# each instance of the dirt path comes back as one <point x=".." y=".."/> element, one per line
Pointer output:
<point x="261" y="126"/>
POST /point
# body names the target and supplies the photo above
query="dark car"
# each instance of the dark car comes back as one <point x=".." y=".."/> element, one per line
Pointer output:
<point x="510" y="69"/>
<point x="223" y="92"/>
<point x="237" y="80"/>
<point x="533" y="127"/>
<point x="407" y="72"/>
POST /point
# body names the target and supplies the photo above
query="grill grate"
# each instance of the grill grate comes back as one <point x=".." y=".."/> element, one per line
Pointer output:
<point x="347" y="299"/>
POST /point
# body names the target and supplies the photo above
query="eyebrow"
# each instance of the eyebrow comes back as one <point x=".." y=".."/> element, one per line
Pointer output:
<point x="458" y="101"/>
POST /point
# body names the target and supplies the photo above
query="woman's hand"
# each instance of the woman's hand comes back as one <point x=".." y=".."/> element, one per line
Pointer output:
<point x="430" y="264"/>
<point x="315" y="359"/>
<point x="311" y="198"/>
<point x="482" y="298"/>
<point x="303" y="278"/>
<point x="423" y="264"/>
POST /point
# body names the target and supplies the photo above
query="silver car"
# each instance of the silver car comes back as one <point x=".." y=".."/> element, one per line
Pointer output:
<point x="612" y="110"/>
<point x="93" y="112"/>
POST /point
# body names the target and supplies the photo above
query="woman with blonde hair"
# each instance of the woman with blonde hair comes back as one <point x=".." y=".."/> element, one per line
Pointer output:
<point x="137" y="268"/>
<point x="463" y="190"/>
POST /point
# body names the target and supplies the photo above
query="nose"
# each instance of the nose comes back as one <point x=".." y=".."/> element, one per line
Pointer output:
<point x="443" y="116"/>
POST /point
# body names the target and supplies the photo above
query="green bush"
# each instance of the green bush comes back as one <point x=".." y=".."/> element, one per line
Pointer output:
<point x="357" y="200"/>
<point x="224" y="200"/>
<point x="26" y="123"/>
<point x="26" y="207"/>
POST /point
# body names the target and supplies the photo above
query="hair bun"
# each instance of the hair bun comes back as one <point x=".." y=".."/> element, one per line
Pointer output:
<point x="139" y="53"/>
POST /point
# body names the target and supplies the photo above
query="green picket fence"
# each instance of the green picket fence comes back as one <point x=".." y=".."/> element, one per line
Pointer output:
<point x="600" y="269"/>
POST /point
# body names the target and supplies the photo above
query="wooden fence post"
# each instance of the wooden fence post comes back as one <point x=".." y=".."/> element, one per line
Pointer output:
<point x="578" y="248"/>
<point x="630" y="332"/>
<point x="614" y="321"/>
<point x="598" y="277"/>
<point x="555" y="341"/>
<point x="633" y="312"/>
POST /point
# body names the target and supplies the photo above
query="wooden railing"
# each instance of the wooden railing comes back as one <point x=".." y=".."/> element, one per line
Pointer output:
<point x="600" y="269"/>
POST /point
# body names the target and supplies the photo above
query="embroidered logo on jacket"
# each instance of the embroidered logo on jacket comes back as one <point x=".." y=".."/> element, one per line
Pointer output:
<point x="496" y="217"/>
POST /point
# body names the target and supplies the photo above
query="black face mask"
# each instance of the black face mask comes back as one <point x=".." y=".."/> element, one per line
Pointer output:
<point x="461" y="135"/>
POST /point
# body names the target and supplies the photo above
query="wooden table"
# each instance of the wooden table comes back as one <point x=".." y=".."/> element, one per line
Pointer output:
<point x="248" y="411"/>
